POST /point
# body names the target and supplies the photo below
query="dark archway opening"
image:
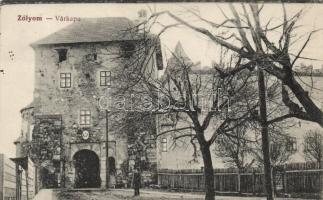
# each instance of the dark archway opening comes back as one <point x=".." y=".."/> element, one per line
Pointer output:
<point x="49" y="176"/>
<point x="87" y="169"/>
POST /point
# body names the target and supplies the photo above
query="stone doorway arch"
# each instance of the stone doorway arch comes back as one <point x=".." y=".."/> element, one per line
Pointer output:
<point x="87" y="169"/>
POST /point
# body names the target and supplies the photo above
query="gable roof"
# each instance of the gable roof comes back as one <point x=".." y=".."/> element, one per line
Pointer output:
<point x="92" y="30"/>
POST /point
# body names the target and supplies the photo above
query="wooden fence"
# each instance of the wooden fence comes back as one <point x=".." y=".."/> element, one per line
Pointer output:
<point x="293" y="178"/>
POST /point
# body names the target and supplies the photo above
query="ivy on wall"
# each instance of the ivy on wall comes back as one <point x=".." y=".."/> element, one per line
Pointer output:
<point x="46" y="149"/>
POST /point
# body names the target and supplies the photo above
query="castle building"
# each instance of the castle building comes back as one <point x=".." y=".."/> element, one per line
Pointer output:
<point x="69" y="135"/>
<point x="179" y="154"/>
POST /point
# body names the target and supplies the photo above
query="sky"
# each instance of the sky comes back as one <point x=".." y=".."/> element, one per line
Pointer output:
<point x="17" y="57"/>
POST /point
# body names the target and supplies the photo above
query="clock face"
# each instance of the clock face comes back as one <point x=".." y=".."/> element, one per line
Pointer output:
<point x="85" y="135"/>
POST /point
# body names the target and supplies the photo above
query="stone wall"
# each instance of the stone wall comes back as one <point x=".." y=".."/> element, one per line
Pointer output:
<point x="7" y="178"/>
<point x="84" y="62"/>
<point x="84" y="93"/>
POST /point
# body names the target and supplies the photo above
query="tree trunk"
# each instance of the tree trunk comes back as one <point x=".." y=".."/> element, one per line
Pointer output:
<point x="312" y="110"/>
<point x="319" y="162"/>
<point x="208" y="172"/>
<point x="239" y="181"/>
<point x="264" y="135"/>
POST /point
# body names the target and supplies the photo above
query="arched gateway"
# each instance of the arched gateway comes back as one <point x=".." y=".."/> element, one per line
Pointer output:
<point x="87" y="169"/>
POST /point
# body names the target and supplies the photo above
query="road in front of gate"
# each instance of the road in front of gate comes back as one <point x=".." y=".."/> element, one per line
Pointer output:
<point x="127" y="194"/>
<point x="46" y="194"/>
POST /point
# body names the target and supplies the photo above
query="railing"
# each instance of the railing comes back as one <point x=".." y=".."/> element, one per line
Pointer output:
<point x="292" y="178"/>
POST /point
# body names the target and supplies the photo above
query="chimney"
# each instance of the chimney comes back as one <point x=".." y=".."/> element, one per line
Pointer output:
<point x="142" y="17"/>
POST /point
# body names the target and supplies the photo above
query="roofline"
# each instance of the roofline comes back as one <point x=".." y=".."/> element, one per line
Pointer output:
<point x="26" y="108"/>
<point x="35" y="45"/>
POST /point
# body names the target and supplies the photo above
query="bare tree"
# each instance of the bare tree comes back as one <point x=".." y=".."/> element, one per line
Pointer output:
<point x="235" y="152"/>
<point x="313" y="146"/>
<point x="264" y="122"/>
<point x="200" y="101"/>
<point x="254" y="46"/>
<point x="265" y="135"/>
<point x="139" y="128"/>
<point x="245" y="36"/>
<point x="280" y="150"/>
<point x="250" y="39"/>
<point x="281" y="147"/>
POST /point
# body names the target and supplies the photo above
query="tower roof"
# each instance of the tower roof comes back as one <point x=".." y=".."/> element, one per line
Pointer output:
<point x="178" y="59"/>
<point x="179" y="51"/>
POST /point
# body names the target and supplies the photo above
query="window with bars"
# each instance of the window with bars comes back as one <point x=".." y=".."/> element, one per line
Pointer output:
<point x="105" y="78"/>
<point x="307" y="143"/>
<point x="85" y="117"/>
<point x="164" y="144"/>
<point x="292" y="144"/>
<point x="65" y="80"/>
<point x="311" y="142"/>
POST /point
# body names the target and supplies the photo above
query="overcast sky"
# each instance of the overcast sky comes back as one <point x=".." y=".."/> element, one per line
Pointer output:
<point x="16" y="85"/>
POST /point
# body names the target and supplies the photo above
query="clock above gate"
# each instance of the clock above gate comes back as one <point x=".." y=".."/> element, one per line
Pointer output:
<point x="85" y="135"/>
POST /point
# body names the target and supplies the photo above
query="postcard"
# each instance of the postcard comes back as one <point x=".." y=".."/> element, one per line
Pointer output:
<point x="161" y="100"/>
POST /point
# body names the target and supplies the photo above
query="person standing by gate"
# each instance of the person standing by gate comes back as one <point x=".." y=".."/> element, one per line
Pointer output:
<point x="136" y="181"/>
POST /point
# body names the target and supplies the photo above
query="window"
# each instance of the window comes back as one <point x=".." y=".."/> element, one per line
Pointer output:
<point x="105" y="78"/>
<point x="85" y="117"/>
<point x="164" y="144"/>
<point x="31" y="129"/>
<point x="274" y="147"/>
<point x="61" y="54"/>
<point x="312" y="142"/>
<point x="307" y="143"/>
<point x="292" y="144"/>
<point x="65" y="80"/>
<point x="91" y="57"/>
